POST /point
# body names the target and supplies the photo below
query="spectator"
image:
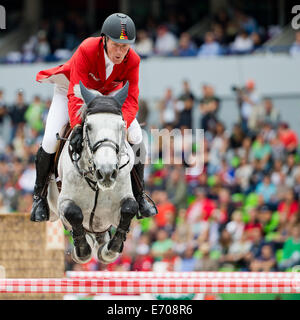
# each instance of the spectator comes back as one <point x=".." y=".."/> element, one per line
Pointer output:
<point x="256" y="39"/>
<point x="202" y="206"/>
<point x="256" y="246"/>
<point x="242" y="43"/>
<point x="176" y="188"/>
<point x="288" y="137"/>
<point x="261" y="115"/>
<point x="249" y="98"/>
<point x="261" y="150"/>
<point x="185" y="114"/>
<point x="276" y="175"/>
<point x="161" y="245"/>
<point x="144" y="44"/>
<point x="218" y="149"/>
<point x="206" y="263"/>
<point x="237" y="137"/>
<point x="253" y="226"/>
<point x="291" y="249"/>
<point x="245" y="150"/>
<point x="210" y="47"/>
<point x="237" y="252"/>
<point x="26" y="181"/>
<point x="209" y="108"/>
<point x="164" y="207"/>
<point x="33" y="115"/>
<point x="243" y="174"/>
<point x="183" y="234"/>
<point x="186" y="47"/>
<point x="267" y="189"/>
<point x="186" y="91"/>
<point x="225" y="243"/>
<point x="236" y="226"/>
<point x="17" y="113"/>
<point x="220" y="37"/>
<point x="290" y="169"/>
<point x="25" y="203"/>
<point x="295" y="48"/>
<point x="289" y="205"/>
<point x="188" y="261"/>
<point x="168" y="109"/>
<point x="166" y="42"/>
<point x="278" y="152"/>
<point x="268" y="132"/>
<point x="225" y="205"/>
<point x="265" y="261"/>
<point x="42" y="47"/>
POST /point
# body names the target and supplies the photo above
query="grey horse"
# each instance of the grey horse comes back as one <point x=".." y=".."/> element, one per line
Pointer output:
<point x="96" y="191"/>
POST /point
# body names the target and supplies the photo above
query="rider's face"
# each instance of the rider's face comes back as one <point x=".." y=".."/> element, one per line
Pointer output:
<point x="116" y="51"/>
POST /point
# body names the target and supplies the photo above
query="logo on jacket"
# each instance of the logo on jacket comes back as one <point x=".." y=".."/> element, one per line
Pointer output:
<point x="96" y="79"/>
<point x="123" y="31"/>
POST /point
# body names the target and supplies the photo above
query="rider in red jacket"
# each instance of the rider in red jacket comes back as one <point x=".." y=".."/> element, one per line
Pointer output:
<point x="105" y="64"/>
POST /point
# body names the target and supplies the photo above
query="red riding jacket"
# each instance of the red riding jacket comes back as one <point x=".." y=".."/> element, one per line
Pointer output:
<point x="88" y="65"/>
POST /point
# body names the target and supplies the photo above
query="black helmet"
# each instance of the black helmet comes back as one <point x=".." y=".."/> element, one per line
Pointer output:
<point x="119" y="27"/>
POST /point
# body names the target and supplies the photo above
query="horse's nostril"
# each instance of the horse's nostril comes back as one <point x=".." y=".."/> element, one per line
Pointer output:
<point x="99" y="175"/>
<point x="114" y="174"/>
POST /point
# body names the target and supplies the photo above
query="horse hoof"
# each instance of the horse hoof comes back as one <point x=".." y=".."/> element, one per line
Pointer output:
<point x="84" y="258"/>
<point x="102" y="238"/>
<point x="106" y="256"/>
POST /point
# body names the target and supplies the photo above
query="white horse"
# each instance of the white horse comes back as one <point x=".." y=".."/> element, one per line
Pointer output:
<point x="96" y="189"/>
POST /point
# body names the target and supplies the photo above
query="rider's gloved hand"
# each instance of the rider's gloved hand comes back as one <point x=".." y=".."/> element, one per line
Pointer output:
<point x="76" y="139"/>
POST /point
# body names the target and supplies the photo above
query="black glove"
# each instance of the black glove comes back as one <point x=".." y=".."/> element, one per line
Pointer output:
<point x="76" y="139"/>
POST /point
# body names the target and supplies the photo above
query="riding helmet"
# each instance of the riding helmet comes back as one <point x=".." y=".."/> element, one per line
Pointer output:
<point x="120" y="28"/>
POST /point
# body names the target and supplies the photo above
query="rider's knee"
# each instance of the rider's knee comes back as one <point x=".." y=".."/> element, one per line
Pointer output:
<point x="135" y="135"/>
<point x="73" y="214"/>
<point x="49" y="144"/>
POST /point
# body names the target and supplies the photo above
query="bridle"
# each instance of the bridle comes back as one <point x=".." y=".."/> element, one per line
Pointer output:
<point x="90" y="173"/>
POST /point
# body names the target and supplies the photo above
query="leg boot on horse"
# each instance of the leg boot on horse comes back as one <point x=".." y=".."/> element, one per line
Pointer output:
<point x="40" y="208"/>
<point x="82" y="251"/>
<point x="146" y="208"/>
<point x="109" y="251"/>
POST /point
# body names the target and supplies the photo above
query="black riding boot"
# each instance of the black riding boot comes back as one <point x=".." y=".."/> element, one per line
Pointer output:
<point x="40" y="208"/>
<point x="146" y="208"/>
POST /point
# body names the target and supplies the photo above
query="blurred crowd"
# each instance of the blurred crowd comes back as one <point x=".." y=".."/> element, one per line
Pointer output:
<point x="230" y="31"/>
<point x="241" y="212"/>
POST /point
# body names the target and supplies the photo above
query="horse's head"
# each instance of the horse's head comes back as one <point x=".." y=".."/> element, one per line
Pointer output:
<point x="104" y="133"/>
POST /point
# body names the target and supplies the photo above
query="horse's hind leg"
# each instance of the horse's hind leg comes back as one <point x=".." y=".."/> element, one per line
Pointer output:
<point x="110" y="251"/>
<point x="82" y="252"/>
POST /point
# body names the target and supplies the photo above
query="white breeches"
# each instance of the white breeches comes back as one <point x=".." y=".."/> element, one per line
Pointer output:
<point x="58" y="116"/>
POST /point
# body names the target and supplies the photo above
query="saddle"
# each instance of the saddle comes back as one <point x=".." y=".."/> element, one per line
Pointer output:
<point x="66" y="133"/>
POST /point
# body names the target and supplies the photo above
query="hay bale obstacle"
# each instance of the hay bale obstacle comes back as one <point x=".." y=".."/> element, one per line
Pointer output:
<point x="2" y="272"/>
<point x="31" y="250"/>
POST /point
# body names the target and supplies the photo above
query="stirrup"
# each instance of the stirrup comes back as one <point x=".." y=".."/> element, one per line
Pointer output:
<point x="139" y="216"/>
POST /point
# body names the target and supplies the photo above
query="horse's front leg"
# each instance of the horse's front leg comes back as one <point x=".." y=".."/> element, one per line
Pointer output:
<point x="110" y="251"/>
<point x="82" y="252"/>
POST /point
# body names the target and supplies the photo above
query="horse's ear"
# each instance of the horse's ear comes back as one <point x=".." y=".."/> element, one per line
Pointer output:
<point x="121" y="96"/>
<point x="87" y="95"/>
